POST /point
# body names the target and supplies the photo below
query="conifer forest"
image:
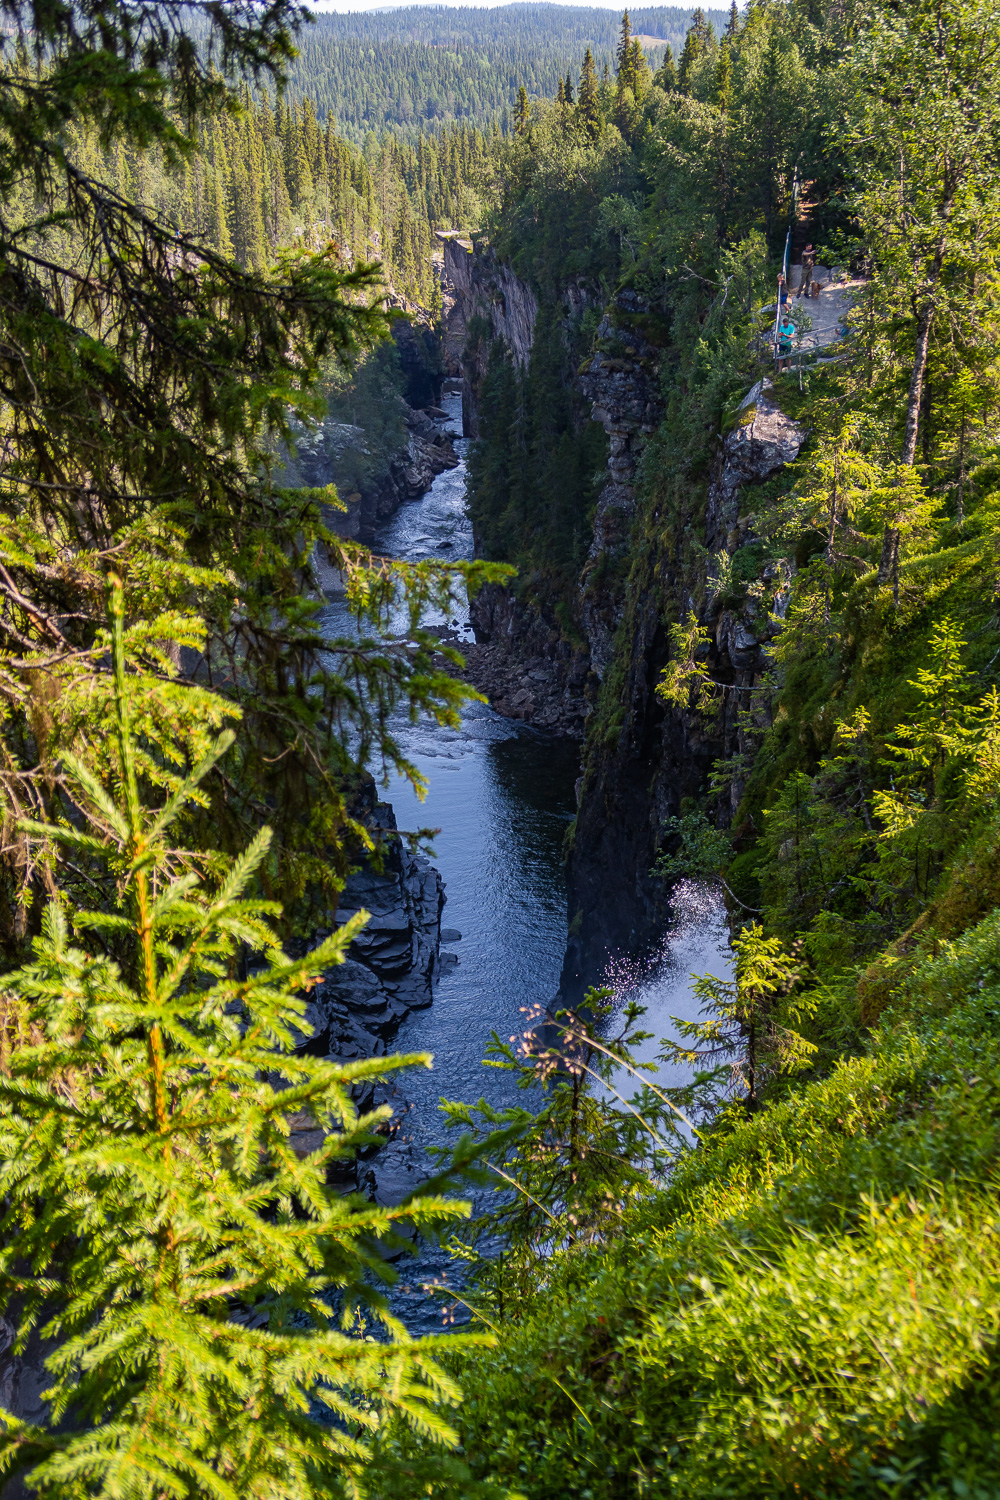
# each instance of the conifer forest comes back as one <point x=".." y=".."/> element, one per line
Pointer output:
<point x="542" y="460"/>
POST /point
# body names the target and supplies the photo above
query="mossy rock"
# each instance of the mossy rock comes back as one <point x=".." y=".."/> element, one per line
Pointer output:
<point x="972" y="890"/>
<point x="742" y="417"/>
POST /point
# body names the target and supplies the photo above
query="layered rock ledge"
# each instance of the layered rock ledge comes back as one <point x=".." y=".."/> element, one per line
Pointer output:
<point x="392" y="963"/>
<point x="524" y="665"/>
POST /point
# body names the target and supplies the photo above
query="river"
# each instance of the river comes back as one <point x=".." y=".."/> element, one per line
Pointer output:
<point x="502" y="796"/>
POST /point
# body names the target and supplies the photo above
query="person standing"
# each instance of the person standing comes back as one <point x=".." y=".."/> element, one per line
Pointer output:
<point x="808" y="267"/>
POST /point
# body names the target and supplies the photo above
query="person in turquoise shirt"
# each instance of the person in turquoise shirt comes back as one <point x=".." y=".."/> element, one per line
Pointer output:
<point x="786" y="333"/>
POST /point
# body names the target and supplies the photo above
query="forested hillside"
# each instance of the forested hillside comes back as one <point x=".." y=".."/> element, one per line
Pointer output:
<point x="273" y="177"/>
<point x="417" y="68"/>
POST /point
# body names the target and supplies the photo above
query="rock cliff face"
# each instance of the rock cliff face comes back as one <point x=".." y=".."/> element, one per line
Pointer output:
<point x="411" y="470"/>
<point x="650" y="756"/>
<point x="620" y="382"/>
<point x="358" y="1006"/>
<point x="477" y="285"/>
<point x="522" y="659"/>
<point x="418" y="345"/>
<point x="660" y="754"/>
<point x="393" y="961"/>
<point x="525" y="666"/>
<point x="760" y="443"/>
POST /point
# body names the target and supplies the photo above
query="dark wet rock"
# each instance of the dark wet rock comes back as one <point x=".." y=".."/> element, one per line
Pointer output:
<point x="418" y="345"/>
<point x="621" y="383"/>
<point x="349" y="984"/>
<point x="357" y="1007"/>
<point x="24" y="1380"/>
<point x="524" y="666"/>
<point x="661" y="754"/>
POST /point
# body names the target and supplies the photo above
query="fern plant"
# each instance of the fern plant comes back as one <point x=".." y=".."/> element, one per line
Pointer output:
<point x="201" y="1286"/>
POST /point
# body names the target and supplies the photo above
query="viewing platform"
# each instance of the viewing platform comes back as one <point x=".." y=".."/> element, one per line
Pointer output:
<point x="820" y="321"/>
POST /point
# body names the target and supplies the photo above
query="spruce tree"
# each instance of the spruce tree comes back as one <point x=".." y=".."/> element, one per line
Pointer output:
<point x="666" y="75"/>
<point x="639" y="74"/>
<point x="700" y="39"/>
<point x="932" y="110"/>
<point x="150" y="382"/>
<point x="751" y="1028"/>
<point x="623" y="49"/>
<point x="218" y="223"/>
<point x="723" y="78"/>
<point x="169" y="1226"/>
<point x="588" y="107"/>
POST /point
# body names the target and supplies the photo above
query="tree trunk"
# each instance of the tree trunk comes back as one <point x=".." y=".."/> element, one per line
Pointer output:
<point x="831" y="535"/>
<point x="888" y="568"/>
<point x="915" y="397"/>
<point x="888" y="563"/>
<point x="752" y="1066"/>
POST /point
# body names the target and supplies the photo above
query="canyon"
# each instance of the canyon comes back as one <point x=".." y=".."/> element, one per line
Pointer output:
<point x="646" y="756"/>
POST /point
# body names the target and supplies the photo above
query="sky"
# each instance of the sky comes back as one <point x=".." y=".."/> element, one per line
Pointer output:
<point x="344" y="5"/>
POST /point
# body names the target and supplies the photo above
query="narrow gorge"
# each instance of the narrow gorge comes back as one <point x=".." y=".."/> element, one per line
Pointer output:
<point x="595" y="674"/>
<point x="500" y="776"/>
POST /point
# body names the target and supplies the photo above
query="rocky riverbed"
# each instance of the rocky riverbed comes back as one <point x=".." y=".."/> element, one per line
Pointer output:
<point x="392" y="962"/>
<point x="525" y="666"/>
<point x="391" y="968"/>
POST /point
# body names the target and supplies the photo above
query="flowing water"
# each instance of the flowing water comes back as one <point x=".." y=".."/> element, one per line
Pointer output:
<point x="502" y="796"/>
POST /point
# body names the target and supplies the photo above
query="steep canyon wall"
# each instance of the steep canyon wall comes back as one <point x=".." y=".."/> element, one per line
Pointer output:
<point x="645" y="756"/>
<point x="376" y="471"/>
<point x="642" y="756"/>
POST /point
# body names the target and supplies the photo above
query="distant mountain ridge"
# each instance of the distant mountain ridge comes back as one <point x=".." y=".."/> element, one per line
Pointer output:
<point x="539" y="22"/>
<point x="419" y="67"/>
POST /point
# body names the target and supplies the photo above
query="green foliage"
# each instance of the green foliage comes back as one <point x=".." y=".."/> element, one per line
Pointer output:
<point x="534" y="470"/>
<point x="148" y="383"/>
<point x="268" y="177"/>
<point x="417" y="71"/>
<point x="810" y="1304"/>
<point x="198" y="1279"/>
<point x="364" y="426"/>
<point x="701" y="853"/>
<point x="686" y="681"/>
<point x="546" y="184"/>
<point x="565" y="1174"/>
<point x="805" y="1303"/>
<point x="749" y="1019"/>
